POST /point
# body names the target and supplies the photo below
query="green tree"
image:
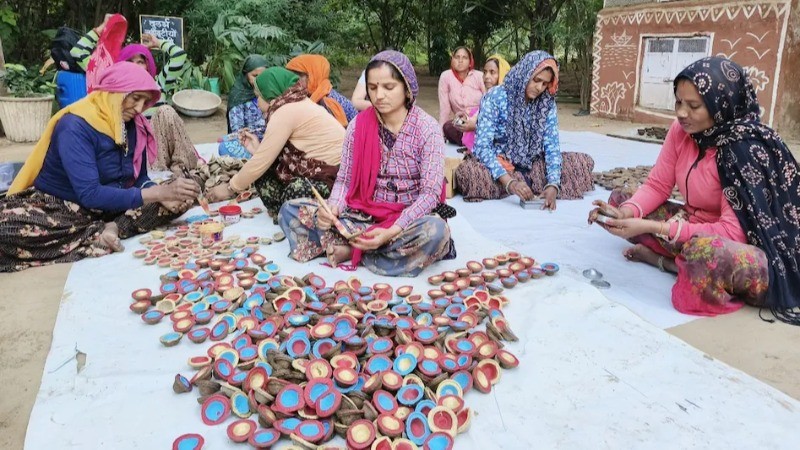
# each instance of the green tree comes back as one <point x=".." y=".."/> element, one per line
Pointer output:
<point x="578" y="18"/>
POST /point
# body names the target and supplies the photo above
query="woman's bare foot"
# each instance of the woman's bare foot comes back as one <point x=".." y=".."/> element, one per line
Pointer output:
<point x="338" y="254"/>
<point x="640" y="253"/>
<point x="109" y="238"/>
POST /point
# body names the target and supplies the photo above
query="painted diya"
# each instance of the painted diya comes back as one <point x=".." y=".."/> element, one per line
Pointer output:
<point x="241" y="430"/>
<point x="550" y="269"/>
<point x="188" y="442"/>
<point x="361" y="434"/>
<point x="215" y="409"/>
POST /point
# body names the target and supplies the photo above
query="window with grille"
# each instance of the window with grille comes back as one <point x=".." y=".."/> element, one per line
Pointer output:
<point x="660" y="45"/>
<point x="692" y="45"/>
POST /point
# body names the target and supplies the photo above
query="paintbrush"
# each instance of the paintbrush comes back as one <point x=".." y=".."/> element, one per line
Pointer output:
<point x="201" y="199"/>
<point x="347" y="234"/>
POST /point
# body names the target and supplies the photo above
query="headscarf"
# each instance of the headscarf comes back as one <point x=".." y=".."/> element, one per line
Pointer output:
<point x="760" y="178"/>
<point x="107" y="51"/>
<point x="366" y="157"/>
<point x="502" y="67"/>
<point x="242" y="91"/>
<point x="280" y="85"/>
<point x="527" y="120"/>
<point x="471" y="62"/>
<point x="102" y="109"/>
<point x="129" y="51"/>
<point x="318" y="70"/>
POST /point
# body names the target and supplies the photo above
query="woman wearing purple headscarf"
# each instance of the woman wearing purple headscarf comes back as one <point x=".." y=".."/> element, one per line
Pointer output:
<point x="386" y="208"/>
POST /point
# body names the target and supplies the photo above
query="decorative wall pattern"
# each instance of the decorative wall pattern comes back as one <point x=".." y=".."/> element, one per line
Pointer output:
<point x="751" y="33"/>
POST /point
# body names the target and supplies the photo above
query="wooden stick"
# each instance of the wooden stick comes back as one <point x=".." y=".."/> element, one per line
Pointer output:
<point x="336" y="222"/>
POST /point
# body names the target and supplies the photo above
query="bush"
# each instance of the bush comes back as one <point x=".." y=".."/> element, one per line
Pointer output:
<point x="22" y="82"/>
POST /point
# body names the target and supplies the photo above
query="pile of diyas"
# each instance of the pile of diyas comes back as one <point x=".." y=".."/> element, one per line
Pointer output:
<point x="197" y="241"/>
<point x="297" y="358"/>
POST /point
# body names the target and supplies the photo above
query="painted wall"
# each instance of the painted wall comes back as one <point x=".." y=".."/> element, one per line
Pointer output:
<point x="755" y="34"/>
<point x="612" y="3"/>
<point x="787" y="114"/>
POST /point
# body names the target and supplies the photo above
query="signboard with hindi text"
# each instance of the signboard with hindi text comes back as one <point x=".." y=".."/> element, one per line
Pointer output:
<point x="163" y="28"/>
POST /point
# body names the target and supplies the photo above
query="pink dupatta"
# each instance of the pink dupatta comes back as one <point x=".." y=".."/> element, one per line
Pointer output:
<point x="367" y="150"/>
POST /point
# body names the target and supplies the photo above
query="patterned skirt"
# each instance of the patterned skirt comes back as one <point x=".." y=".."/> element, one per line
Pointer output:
<point x="715" y="274"/>
<point x="476" y="184"/>
<point x="290" y="179"/>
<point x="421" y="244"/>
<point x="175" y="150"/>
<point x="38" y="229"/>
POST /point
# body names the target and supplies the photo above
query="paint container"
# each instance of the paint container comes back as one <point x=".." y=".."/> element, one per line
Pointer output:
<point x="231" y="214"/>
<point x="212" y="231"/>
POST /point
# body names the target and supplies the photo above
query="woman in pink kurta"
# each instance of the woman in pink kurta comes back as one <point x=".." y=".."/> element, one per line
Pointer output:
<point x="460" y="91"/>
<point x="731" y="242"/>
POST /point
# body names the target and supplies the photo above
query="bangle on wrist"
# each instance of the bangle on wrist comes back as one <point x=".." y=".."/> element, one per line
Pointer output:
<point x="508" y="185"/>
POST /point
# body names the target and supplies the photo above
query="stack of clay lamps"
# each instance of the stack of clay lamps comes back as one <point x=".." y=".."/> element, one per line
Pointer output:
<point x="305" y="360"/>
<point x="176" y="250"/>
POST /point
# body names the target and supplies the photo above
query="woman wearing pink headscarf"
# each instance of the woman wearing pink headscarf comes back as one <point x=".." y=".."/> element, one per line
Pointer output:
<point x="85" y="185"/>
<point x="175" y="150"/>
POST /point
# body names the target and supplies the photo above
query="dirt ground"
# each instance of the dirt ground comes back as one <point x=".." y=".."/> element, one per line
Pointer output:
<point x="30" y="299"/>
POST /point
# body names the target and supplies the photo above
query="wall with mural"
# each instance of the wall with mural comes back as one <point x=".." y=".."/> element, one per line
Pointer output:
<point x="752" y="33"/>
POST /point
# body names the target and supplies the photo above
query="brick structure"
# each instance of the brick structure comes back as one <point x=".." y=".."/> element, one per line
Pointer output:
<point x="640" y="45"/>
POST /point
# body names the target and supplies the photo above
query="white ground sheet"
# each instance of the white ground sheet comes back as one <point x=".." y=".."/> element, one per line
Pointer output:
<point x="592" y="374"/>
<point x="564" y="236"/>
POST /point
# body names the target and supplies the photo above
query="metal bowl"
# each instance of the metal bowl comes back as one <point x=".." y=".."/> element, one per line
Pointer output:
<point x="592" y="274"/>
<point x="196" y="102"/>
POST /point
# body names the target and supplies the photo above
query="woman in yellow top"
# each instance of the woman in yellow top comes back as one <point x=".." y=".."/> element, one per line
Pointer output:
<point x="302" y="143"/>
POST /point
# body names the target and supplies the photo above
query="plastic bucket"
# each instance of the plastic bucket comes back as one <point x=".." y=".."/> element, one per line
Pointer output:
<point x="70" y="87"/>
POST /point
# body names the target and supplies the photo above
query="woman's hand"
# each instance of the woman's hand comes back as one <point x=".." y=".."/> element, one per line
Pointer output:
<point x="177" y="207"/>
<point x="220" y="193"/>
<point x="324" y="220"/>
<point x="549" y="195"/>
<point x="180" y="190"/>
<point x="248" y="140"/>
<point x="606" y="210"/>
<point x="375" y="238"/>
<point x="516" y="187"/>
<point x="151" y="41"/>
<point x="100" y="28"/>
<point x="464" y="123"/>
<point x="629" y="228"/>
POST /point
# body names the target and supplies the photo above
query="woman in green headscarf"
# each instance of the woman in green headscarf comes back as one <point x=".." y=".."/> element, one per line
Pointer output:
<point x="302" y="143"/>
<point x="243" y="109"/>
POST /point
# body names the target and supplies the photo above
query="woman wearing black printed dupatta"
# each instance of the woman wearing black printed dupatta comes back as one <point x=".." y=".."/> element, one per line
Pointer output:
<point x="757" y="199"/>
<point x="759" y="176"/>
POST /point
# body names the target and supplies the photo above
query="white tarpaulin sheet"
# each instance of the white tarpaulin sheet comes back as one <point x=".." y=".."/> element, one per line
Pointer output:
<point x="592" y="374"/>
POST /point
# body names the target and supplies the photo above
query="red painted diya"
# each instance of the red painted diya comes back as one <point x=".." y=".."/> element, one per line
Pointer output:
<point x="241" y="430"/>
<point x="142" y="294"/>
<point x="141" y="306"/>
<point x="389" y="425"/>
<point x="444" y="420"/>
<point x="360" y="434"/>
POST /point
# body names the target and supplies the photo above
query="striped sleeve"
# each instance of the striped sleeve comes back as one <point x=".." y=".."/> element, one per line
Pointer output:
<point x="173" y="69"/>
<point x="83" y="50"/>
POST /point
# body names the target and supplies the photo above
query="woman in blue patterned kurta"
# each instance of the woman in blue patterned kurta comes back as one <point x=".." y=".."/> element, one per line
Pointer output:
<point x="517" y="148"/>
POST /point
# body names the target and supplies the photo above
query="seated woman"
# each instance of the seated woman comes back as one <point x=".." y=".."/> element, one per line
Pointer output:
<point x="243" y="110"/>
<point x="494" y="72"/>
<point x="85" y="186"/>
<point x="460" y="91"/>
<point x="302" y="144"/>
<point x="359" y="98"/>
<point x="175" y="150"/>
<point x="389" y="184"/>
<point x="737" y="238"/>
<point x="517" y="149"/>
<point x="314" y="72"/>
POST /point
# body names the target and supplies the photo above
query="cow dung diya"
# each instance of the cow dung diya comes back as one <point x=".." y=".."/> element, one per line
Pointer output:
<point x="368" y="363"/>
